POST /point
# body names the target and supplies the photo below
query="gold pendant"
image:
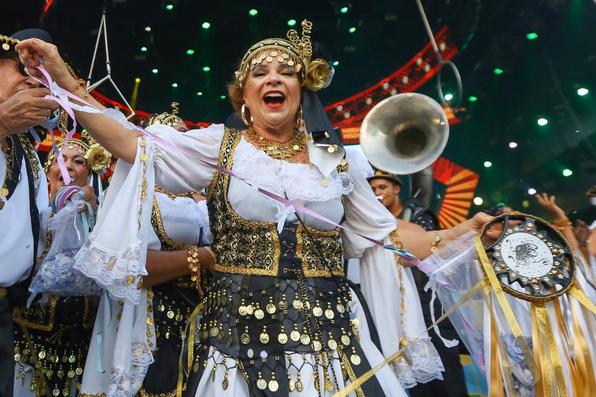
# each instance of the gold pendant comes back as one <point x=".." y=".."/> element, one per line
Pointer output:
<point x="317" y="346"/>
<point x="355" y="359"/>
<point x="299" y="386"/>
<point x="250" y="309"/>
<point x="340" y="308"/>
<point x="282" y="338"/>
<point x="332" y="344"/>
<point x="262" y="384"/>
<point x="291" y="385"/>
<point x="317" y="311"/>
<point x="345" y="340"/>
<point x="270" y="308"/>
<point x="225" y="383"/>
<point x="264" y="338"/>
<point x="245" y="339"/>
<point x="305" y="339"/>
<point x="259" y="314"/>
<point x="295" y="336"/>
<point x="273" y="385"/>
<point x="329" y="314"/>
<point x="297" y="303"/>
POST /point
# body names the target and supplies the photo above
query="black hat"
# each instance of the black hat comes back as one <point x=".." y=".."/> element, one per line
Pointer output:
<point x="8" y="43"/>
<point x="380" y="174"/>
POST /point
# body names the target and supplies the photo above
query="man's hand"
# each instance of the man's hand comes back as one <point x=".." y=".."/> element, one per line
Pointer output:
<point x="23" y="110"/>
<point x="550" y="205"/>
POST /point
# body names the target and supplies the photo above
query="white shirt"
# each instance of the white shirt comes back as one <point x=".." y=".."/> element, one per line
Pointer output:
<point x="16" y="237"/>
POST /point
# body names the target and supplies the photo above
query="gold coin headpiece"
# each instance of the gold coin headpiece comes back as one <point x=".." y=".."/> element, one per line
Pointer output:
<point x="295" y="51"/>
<point x="8" y="44"/>
<point x="169" y="119"/>
<point x="98" y="158"/>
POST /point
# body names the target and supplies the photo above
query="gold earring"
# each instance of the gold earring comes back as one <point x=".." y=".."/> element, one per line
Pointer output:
<point x="245" y="119"/>
<point x="300" y="119"/>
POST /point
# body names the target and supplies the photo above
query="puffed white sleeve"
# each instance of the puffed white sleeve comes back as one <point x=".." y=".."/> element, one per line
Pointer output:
<point x="181" y="158"/>
<point x="363" y="212"/>
<point x="382" y="281"/>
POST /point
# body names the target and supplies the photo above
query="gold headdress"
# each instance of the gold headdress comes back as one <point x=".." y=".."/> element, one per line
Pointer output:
<point x="98" y="158"/>
<point x="169" y="119"/>
<point x="296" y="51"/>
<point x="7" y="44"/>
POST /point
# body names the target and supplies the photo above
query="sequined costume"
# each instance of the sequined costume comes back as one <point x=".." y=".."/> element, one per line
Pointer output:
<point x="178" y="221"/>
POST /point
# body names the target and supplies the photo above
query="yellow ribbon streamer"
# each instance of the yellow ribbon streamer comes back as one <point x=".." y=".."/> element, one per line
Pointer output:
<point x="585" y="367"/>
<point x="192" y="324"/>
<point x="581" y="297"/>
<point x="502" y="299"/>
<point x="496" y="379"/>
<point x="371" y="372"/>
<point x="577" y="382"/>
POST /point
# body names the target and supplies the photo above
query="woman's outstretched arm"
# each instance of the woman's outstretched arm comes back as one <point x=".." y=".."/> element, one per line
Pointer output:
<point x="117" y="139"/>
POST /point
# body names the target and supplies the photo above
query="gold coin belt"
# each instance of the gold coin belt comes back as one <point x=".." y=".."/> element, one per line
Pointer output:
<point x="278" y="150"/>
<point x="262" y="327"/>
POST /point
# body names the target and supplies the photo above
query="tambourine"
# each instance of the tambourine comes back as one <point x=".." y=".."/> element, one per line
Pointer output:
<point x="531" y="259"/>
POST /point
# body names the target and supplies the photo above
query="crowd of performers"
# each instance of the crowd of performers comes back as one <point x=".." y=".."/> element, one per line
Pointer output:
<point x="188" y="274"/>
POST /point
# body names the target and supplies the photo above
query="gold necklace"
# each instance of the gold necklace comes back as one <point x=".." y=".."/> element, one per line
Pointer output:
<point x="278" y="150"/>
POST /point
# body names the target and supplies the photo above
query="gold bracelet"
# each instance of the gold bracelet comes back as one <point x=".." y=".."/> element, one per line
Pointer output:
<point x="563" y="223"/>
<point x="194" y="267"/>
<point x="80" y="84"/>
<point x="434" y="248"/>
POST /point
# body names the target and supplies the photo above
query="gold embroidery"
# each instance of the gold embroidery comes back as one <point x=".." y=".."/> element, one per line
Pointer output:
<point x="240" y="246"/>
<point x="44" y="315"/>
<point x="314" y="245"/>
<point x="144" y="393"/>
<point x="159" y="189"/>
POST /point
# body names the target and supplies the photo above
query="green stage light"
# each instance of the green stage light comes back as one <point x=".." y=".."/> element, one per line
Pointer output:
<point x="448" y="97"/>
<point x="155" y="70"/>
<point x="488" y="164"/>
<point x="206" y="68"/>
<point x="206" y="25"/>
<point x="582" y="91"/>
<point x="352" y="29"/>
<point x="478" y="200"/>
<point x="343" y="10"/>
<point x="567" y="172"/>
<point x="222" y="97"/>
<point x="498" y="71"/>
<point x="175" y="85"/>
<point x="542" y="121"/>
<point x="190" y="51"/>
<point x="199" y="93"/>
<point x="472" y="98"/>
<point x="335" y="63"/>
<point x="291" y="22"/>
<point x="252" y="12"/>
<point x="143" y="49"/>
<point x="532" y="36"/>
<point x="169" y="7"/>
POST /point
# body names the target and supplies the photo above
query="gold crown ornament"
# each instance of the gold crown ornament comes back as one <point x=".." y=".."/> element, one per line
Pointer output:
<point x="295" y="51"/>
<point x="98" y="158"/>
<point x="169" y="119"/>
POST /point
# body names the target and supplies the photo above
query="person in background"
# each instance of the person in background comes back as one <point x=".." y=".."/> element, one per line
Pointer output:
<point x="23" y="189"/>
<point x="386" y="188"/>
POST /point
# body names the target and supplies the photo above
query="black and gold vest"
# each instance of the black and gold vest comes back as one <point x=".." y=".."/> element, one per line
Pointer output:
<point x="256" y="248"/>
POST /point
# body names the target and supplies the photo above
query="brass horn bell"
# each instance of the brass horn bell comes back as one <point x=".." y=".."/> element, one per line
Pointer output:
<point x="404" y="133"/>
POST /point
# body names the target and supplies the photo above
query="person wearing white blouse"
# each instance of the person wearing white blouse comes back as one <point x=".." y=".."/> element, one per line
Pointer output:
<point x="278" y="316"/>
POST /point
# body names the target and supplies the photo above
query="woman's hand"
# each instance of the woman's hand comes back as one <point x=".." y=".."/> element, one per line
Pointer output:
<point x="548" y="203"/>
<point x="35" y="52"/>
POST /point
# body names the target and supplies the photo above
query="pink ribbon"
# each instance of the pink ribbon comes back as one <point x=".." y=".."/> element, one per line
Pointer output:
<point x="405" y="255"/>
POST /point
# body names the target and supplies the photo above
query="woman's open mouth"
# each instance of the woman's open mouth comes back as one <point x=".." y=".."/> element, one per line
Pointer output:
<point x="274" y="99"/>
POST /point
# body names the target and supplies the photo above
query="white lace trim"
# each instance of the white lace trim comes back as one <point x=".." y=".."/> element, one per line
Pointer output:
<point x="126" y="383"/>
<point x="420" y="363"/>
<point x="267" y="173"/>
<point x="118" y="272"/>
